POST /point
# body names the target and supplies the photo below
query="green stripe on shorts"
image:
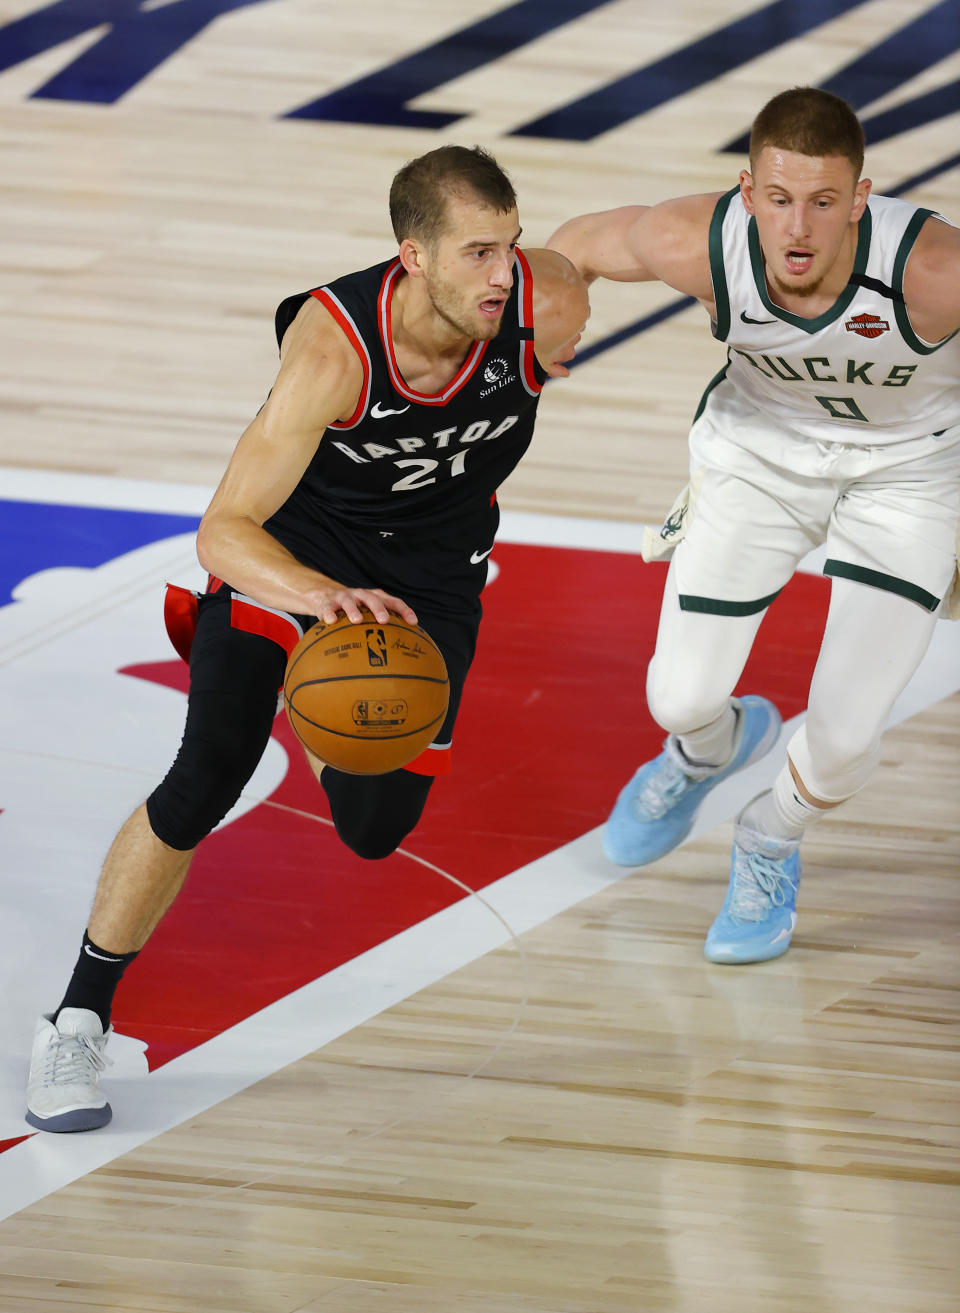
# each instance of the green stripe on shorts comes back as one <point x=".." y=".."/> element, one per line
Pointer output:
<point x="717" y="606"/>
<point x="889" y="582"/>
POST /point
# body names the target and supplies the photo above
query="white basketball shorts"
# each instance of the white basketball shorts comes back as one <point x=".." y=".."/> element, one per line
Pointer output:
<point x="761" y="497"/>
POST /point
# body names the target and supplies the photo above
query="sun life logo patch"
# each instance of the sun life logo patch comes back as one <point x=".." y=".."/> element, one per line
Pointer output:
<point x="495" y="370"/>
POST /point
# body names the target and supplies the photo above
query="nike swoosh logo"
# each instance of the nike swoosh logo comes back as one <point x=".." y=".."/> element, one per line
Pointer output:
<point x="477" y="557"/>
<point x="747" y="320"/>
<point x="785" y="934"/>
<point x="100" y="956"/>
<point x="381" y="412"/>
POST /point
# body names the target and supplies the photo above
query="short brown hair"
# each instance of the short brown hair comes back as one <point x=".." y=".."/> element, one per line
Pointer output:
<point x="810" y="122"/>
<point x="421" y="189"/>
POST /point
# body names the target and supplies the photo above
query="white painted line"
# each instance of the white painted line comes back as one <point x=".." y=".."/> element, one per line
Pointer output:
<point x="62" y="489"/>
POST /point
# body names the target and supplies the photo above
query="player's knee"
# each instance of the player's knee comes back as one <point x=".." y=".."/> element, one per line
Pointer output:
<point x="833" y="759"/>
<point x="371" y="842"/>
<point x="837" y="774"/>
<point x="373" y="814"/>
<point x="679" y="707"/>
<point x="842" y="741"/>
<point x="201" y="786"/>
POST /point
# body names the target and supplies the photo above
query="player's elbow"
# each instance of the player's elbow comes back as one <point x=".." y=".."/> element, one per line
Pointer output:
<point x="571" y="240"/>
<point x="572" y="310"/>
<point x="216" y="532"/>
<point x="561" y="301"/>
<point x="206" y="539"/>
<point x="578" y="308"/>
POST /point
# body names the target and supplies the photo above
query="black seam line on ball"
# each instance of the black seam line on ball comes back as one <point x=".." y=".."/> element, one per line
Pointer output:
<point x="369" y="674"/>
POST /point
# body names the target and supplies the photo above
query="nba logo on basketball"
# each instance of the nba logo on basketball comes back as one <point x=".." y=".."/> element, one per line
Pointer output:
<point x="376" y="647"/>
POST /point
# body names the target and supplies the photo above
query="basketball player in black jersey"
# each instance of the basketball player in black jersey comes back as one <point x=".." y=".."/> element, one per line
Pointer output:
<point x="406" y="395"/>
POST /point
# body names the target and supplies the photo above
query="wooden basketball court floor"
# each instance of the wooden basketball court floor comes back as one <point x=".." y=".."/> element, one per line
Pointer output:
<point x="367" y="1090"/>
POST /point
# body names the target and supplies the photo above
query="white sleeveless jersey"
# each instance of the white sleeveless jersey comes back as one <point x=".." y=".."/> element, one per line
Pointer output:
<point x="857" y="373"/>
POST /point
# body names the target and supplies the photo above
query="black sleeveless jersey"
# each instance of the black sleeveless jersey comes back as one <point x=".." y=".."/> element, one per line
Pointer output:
<point x="422" y="465"/>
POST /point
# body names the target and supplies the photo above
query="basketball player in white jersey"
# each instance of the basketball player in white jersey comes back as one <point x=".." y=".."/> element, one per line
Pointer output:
<point x="836" y="419"/>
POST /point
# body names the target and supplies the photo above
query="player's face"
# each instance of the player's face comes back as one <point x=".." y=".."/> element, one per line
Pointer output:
<point x="807" y="208"/>
<point x="468" y="272"/>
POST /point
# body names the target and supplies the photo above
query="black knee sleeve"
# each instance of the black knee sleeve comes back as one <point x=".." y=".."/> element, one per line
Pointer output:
<point x="373" y="814"/>
<point x="234" y="678"/>
<point x="206" y="779"/>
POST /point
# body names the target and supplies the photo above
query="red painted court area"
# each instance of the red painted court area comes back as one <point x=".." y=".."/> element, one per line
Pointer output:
<point x="553" y="721"/>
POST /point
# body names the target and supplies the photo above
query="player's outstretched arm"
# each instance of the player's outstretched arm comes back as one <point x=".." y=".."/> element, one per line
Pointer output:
<point x="931" y="282"/>
<point x="607" y="244"/>
<point x="561" y="309"/>
<point x="642" y="243"/>
<point x="319" y="381"/>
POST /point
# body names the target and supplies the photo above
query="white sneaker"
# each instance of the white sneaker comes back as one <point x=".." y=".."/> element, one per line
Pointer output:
<point x="63" y="1090"/>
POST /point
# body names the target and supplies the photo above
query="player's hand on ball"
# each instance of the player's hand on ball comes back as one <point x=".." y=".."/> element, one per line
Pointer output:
<point x="327" y="603"/>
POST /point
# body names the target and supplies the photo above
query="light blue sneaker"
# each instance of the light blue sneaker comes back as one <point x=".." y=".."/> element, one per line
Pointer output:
<point x="656" y="809"/>
<point x="760" y="910"/>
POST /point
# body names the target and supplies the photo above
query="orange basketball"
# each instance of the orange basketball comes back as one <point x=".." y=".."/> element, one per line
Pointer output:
<point x="366" y="698"/>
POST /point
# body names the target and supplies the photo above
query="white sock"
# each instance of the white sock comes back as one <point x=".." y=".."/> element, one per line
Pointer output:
<point x="781" y="812"/>
<point x="712" y="745"/>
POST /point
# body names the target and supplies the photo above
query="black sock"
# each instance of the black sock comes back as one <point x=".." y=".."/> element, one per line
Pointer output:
<point x="94" y="980"/>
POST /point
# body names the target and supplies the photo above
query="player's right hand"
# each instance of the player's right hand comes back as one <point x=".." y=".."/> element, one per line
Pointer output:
<point x="327" y="602"/>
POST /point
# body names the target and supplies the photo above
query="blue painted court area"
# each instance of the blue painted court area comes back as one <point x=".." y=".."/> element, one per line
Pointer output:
<point x="37" y="536"/>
